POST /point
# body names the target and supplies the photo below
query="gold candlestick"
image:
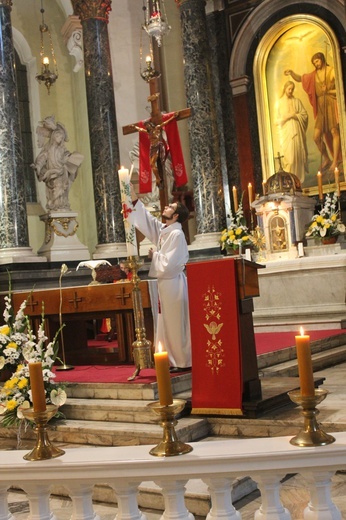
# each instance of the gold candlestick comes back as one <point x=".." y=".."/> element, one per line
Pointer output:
<point x="170" y="445"/>
<point x="312" y="434"/>
<point x="141" y="348"/>
<point x="43" y="449"/>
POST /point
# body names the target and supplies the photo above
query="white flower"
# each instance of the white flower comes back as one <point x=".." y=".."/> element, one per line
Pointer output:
<point x="23" y="406"/>
<point x="18" y="346"/>
<point x="58" y="397"/>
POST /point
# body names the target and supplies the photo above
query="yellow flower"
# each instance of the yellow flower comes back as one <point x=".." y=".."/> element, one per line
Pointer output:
<point x="326" y="226"/>
<point x="319" y="219"/>
<point x="13" y="345"/>
<point x="223" y="238"/>
<point x="23" y="383"/>
<point x="11" y="404"/>
<point x="238" y="231"/>
<point x="245" y="238"/>
<point x="5" y="329"/>
<point x="333" y="217"/>
<point x="11" y="383"/>
<point x="313" y="224"/>
<point x="19" y="368"/>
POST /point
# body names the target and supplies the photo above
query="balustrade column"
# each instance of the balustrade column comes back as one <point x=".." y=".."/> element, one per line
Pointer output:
<point x="203" y="131"/>
<point x="174" y="498"/>
<point x="321" y="504"/>
<point x="269" y="484"/>
<point x="4" y="510"/>
<point x="105" y="156"/>
<point x="220" y="490"/>
<point x="38" y="496"/>
<point x="14" y="237"/>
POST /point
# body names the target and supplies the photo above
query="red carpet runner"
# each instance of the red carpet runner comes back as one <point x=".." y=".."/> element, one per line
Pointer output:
<point x="265" y="342"/>
<point x="106" y="374"/>
<point x="272" y="341"/>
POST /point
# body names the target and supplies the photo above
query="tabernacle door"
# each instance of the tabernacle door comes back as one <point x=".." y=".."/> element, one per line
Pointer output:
<point x="217" y="384"/>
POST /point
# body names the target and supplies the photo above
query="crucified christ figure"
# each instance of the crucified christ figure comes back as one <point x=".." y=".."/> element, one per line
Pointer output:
<point x="158" y="147"/>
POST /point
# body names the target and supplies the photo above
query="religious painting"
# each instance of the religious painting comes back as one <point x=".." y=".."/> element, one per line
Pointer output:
<point x="300" y="102"/>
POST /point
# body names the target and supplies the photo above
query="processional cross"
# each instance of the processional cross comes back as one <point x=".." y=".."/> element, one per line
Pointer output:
<point x="154" y="127"/>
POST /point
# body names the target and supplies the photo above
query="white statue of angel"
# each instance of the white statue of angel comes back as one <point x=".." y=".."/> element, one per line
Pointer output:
<point x="55" y="165"/>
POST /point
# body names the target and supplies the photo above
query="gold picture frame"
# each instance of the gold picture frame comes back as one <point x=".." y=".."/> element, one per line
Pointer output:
<point x="282" y="70"/>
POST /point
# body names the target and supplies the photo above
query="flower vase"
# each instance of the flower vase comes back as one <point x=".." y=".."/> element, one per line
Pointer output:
<point x="232" y="252"/>
<point x="329" y="240"/>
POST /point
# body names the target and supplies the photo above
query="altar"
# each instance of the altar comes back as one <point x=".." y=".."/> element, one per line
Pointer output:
<point x="79" y="308"/>
<point x="308" y="291"/>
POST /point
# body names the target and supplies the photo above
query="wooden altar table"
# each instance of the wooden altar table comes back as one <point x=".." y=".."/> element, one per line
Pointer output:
<point x="83" y="304"/>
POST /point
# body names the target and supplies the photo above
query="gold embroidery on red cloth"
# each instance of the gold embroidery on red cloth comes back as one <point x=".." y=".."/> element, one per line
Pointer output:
<point x="212" y="306"/>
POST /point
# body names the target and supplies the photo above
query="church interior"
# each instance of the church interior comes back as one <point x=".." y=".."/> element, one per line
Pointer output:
<point x="248" y="98"/>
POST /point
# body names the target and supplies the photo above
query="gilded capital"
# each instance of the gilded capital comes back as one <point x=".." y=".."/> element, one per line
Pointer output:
<point x="86" y="9"/>
<point x="6" y="3"/>
<point x="180" y="2"/>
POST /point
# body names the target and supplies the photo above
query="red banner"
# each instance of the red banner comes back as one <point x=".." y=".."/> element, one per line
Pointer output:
<point x="215" y="336"/>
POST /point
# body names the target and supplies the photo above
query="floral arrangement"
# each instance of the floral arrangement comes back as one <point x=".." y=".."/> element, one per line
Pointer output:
<point x="326" y="223"/>
<point x="237" y="234"/>
<point x="19" y="346"/>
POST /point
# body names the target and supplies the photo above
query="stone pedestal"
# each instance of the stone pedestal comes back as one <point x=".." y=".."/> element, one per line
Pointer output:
<point x="61" y="243"/>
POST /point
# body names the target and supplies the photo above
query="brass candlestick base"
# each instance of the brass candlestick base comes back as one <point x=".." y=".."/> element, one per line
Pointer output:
<point x="64" y="367"/>
<point x="43" y="449"/>
<point x="170" y="445"/>
<point x="141" y="348"/>
<point x="312" y="435"/>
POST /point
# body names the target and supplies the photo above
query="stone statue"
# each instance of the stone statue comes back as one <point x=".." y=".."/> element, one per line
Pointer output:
<point x="55" y="165"/>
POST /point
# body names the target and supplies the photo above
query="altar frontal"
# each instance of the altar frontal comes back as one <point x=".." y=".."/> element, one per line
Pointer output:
<point x="215" y="336"/>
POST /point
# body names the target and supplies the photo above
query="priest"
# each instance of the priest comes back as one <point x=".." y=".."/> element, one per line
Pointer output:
<point x="167" y="265"/>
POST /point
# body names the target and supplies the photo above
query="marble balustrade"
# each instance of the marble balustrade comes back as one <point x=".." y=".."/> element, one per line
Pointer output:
<point x="218" y="463"/>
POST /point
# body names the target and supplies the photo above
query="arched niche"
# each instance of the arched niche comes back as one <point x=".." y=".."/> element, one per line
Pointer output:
<point x="261" y="20"/>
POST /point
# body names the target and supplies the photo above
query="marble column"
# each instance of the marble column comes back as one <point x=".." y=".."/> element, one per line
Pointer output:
<point x="217" y="36"/>
<point x="14" y="237"/>
<point x="103" y="133"/>
<point x="203" y="131"/>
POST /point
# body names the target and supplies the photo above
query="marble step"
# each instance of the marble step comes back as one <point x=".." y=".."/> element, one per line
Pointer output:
<point x="289" y="353"/>
<point x="103" y="433"/>
<point x="126" y="391"/>
<point x="113" y="410"/>
<point x="320" y="360"/>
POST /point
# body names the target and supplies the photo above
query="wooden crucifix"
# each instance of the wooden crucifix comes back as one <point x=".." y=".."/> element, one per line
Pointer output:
<point x="158" y="147"/>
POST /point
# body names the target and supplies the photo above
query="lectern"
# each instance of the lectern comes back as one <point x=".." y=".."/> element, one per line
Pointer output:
<point x="224" y="360"/>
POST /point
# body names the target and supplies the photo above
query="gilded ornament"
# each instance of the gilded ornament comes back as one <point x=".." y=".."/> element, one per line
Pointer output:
<point x="86" y="9"/>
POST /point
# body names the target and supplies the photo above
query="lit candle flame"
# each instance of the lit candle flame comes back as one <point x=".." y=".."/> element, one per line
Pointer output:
<point x="45" y="60"/>
<point x="301" y="331"/>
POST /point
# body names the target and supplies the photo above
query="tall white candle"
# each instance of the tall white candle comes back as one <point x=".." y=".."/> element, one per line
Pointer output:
<point x="126" y="202"/>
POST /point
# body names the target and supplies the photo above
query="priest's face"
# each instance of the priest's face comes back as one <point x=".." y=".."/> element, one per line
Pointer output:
<point x="169" y="211"/>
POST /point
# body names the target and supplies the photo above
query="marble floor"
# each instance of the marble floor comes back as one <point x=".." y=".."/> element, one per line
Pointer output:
<point x="293" y="494"/>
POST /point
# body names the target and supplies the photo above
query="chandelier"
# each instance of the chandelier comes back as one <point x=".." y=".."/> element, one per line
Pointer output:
<point x="155" y="20"/>
<point x="47" y="55"/>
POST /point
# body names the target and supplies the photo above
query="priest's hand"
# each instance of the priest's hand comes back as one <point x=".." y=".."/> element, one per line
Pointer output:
<point x="150" y="253"/>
